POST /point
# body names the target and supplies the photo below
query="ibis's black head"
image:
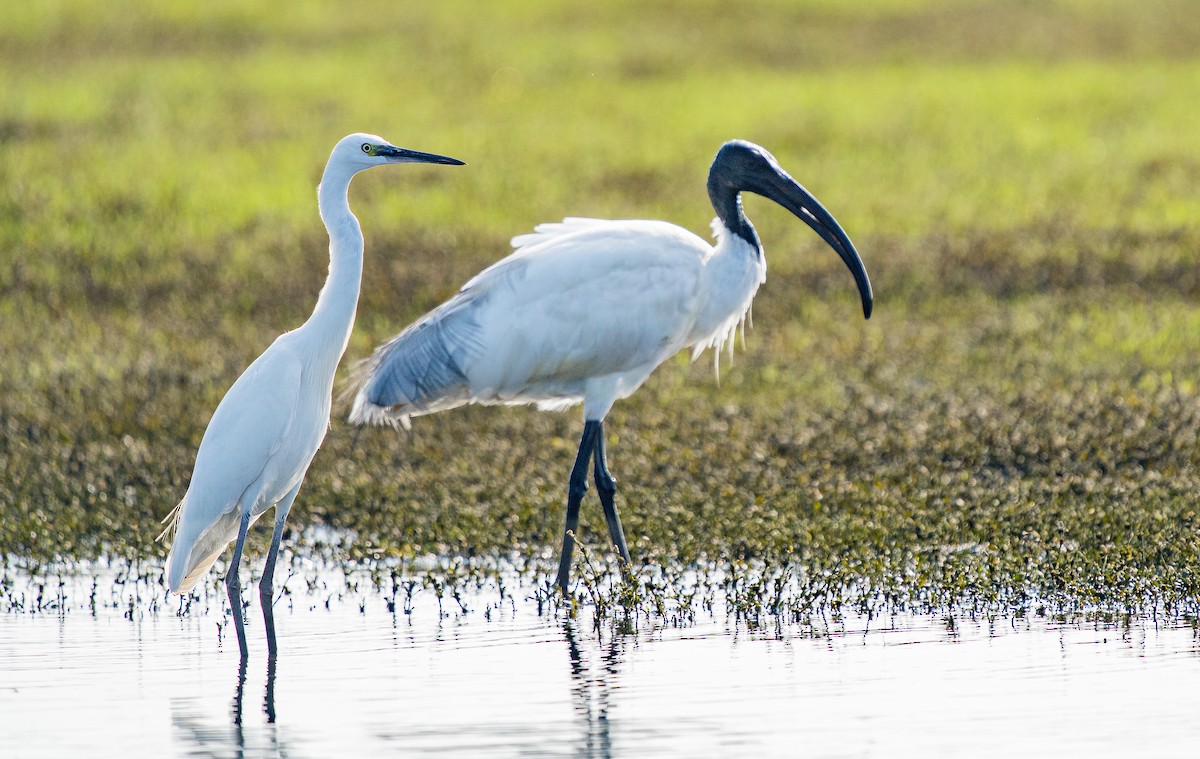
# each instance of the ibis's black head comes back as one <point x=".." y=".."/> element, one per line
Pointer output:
<point x="742" y="166"/>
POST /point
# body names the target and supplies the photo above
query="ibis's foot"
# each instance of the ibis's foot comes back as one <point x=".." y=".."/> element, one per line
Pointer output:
<point x="575" y="491"/>
<point x="606" y="488"/>
<point x="564" y="562"/>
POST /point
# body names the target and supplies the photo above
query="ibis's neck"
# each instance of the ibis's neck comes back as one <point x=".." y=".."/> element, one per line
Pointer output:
<point x="333" y="317"/>
<point x="727" y="202"/>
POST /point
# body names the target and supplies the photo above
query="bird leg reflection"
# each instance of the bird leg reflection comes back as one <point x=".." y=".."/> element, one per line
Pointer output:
<point x="575" y="491"/>
<point x="236" y="709"/>
<point x="269" y="699"/>
<point x="239" y="698"/>
<point x="233" y="586"/>
<point x="591" y="691"/>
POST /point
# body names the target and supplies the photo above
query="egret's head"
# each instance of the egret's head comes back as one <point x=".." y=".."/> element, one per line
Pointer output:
<point x="362" y="151"/>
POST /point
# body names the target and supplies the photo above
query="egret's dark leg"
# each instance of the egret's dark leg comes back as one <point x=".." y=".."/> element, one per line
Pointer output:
<point x="266" y="590"/>
<point x="606" y="488"/>
<point x="234" y="586"/>
<point x="575" y="490"/>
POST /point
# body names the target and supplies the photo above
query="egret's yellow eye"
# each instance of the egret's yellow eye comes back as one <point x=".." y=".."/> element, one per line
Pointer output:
<point x="366" y="148"/>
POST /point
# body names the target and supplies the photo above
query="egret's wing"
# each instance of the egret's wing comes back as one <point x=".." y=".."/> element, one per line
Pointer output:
<point x="249" y="426"/>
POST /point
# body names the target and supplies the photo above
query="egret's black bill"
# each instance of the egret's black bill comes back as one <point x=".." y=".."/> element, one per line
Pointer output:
<point x="404" y="155"/>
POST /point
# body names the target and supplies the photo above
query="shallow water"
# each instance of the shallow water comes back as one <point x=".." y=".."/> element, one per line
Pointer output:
<point x="130" y="676"/>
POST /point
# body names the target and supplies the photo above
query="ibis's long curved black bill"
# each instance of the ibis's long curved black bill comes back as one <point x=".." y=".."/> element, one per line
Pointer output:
<point x="404" y="155"/>
<point x="789" y="193"/>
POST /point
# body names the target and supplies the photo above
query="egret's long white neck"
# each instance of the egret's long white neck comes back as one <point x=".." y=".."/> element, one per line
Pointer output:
<point x="338" y="301"/>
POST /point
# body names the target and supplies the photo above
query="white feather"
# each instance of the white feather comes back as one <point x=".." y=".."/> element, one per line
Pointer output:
<point x="266" y="430"/>
<point x="582" y="311"/>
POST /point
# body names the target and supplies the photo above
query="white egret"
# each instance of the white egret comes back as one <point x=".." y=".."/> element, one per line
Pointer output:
<point x="585" y="310"/>
<point x="270" y="423"/>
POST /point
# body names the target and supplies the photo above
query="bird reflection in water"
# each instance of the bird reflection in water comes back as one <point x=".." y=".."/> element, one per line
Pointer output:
<point x="203" y="738"/>
<point x="240" y="692"/>
<point x="273" y="747"/>
<point x="591" y="686"/>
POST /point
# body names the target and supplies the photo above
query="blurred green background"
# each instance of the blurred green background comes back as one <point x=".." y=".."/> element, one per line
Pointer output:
<point x="1016" y="425"/>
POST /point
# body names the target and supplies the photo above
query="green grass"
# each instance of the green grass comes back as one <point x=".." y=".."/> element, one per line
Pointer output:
<point x="1015" y="427"/>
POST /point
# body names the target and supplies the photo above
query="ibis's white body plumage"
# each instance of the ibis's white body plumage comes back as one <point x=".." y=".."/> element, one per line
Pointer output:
<point x="583" y="311"/>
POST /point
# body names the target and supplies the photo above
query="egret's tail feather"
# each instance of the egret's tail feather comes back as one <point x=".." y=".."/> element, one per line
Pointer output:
<point x="197" y="548"/>
<point x="188" y="581"/>
<point x="420" y="370"/>
<point x="172" y="522"/>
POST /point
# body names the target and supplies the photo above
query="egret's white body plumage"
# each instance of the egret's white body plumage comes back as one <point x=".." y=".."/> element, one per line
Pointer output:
<point x="582" y="312"/>
<point x="266" y="430"/>
<point x="256" y="450"/>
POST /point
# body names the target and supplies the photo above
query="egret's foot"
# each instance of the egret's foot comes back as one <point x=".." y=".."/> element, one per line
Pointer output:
<point x="233" y="588"/>
<point x="265" y="597"/>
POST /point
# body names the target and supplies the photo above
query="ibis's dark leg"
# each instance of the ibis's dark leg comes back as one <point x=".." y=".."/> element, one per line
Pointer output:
<point x="234" y="586"/>
<point x="266" y="590"/>
<point x="606" y="488"/>
<point x="575" y="490"/>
